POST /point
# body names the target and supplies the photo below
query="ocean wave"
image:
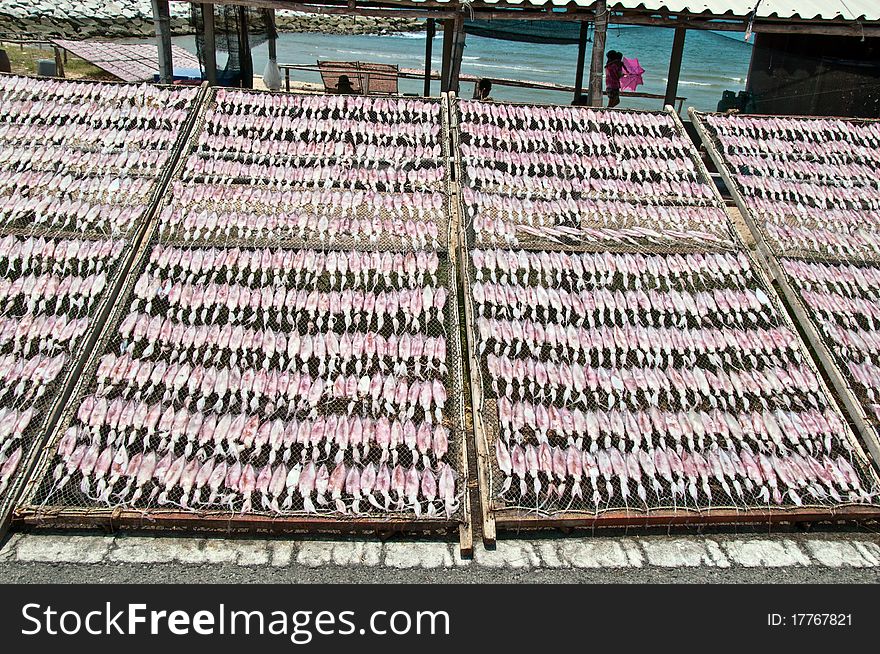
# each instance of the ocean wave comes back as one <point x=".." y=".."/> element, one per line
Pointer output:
<point x="369" y="55"/>
<point x="685" y="82"/>
<point x="408" y="35"/>
<point x="527" y="69"/>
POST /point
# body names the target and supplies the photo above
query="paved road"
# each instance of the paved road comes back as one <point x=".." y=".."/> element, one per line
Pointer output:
<point x="781" y="557"/>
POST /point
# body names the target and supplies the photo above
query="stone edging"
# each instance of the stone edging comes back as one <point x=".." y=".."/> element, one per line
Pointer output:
<point x="720" y="552"/>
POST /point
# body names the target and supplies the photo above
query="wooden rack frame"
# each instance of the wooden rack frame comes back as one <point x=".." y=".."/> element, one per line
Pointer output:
<point x="29" y="512"/>
<point x="27" y="465"/>
<point x="850" y="404"/>
<point x="499" y="517"/>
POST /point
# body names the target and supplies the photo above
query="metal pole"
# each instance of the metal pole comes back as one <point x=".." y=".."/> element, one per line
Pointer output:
<point x="162" y="20"/>
<point x="210" y="48"/>
<point x="675" y="65"/>
<point x="596" y="67"/>
<point x="429" y="43"/>
<point x="582" y="55"/>
<point x="448" y="33"/>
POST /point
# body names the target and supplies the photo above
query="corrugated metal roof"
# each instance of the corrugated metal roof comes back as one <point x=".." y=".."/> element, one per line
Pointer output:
<point x="867" y="10"/>
<point x="804" y="9"/>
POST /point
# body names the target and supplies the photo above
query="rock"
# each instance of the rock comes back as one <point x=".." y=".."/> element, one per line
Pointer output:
<point x="134" y="18"/>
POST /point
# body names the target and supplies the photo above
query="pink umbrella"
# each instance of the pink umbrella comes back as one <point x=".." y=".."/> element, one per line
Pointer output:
<point x="632" y="75"/>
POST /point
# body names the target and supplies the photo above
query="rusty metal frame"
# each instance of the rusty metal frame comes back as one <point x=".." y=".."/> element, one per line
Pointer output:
<point x="510" y="518"/>
<point x="27" y="466"/>
<point x="30" y="512"/>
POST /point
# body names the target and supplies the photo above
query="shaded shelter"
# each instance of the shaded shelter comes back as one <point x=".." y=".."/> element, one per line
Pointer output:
<point x="551" y="21"/>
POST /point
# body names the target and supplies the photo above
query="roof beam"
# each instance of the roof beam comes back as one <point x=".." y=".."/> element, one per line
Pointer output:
<point x="344" y="7"/>
<point x="443" y="10"/>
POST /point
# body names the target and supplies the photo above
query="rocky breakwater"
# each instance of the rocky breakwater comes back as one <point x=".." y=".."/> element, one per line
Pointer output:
<point x="293" y="21"/>
<point x="83" y="19"/>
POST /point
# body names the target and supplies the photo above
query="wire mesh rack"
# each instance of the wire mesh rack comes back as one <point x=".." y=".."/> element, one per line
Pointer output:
<point x="602" y="394"/>
<point x="75" y="197"/>
<point x="287" y="370"/>
<point x="826" y="265"/>
<point x="809" y="181"/>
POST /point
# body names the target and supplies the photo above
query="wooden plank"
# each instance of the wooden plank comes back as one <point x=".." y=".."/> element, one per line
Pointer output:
<point x="476" y="389"/>
<point x="600" y="30"/>
<point x="851" y="405"/>
<point x="511" y="519"/>
<point x="465" y="530"/>
<point x="675" y="65"/>
<point x="210" y="48"/>
<point x="581" y="57"/>
<point x="52" y="517"/>
<point x="162" y="20"/>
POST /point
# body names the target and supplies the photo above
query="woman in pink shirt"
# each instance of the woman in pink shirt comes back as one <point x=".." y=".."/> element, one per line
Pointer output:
<point x="613" y="72"/>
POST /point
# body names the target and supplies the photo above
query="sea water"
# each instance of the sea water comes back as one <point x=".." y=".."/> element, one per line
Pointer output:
<point x="713" y="62"/>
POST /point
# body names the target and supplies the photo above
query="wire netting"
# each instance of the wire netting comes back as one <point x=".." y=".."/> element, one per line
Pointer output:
<point x="566" y="178"/>
<point x="287" y="344"/>
<point x="633" y="370"/>
<point x="79" y="166"/>
<point x="237" y="30"/>
<point x="810" y="184"/>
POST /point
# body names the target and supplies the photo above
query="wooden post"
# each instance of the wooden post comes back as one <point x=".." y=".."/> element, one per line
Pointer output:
<point x="457" y="53"/>
<point x="675" y="65"/>
<point x="273" y="54"/>
<point x="59" y="62"/>
<point x="162" y="20"/>
<point x="210" y="48"/>
<point x="596" y="66"/>
<point x="818" y="78"/>
<point x="244" y="50"/>
<point x="582" y="55"/>
<point x="429" y="43"/>
<point x="448" y="33"/>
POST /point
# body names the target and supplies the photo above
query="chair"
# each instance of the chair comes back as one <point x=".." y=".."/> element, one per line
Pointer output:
<point x="365" y="78"/>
